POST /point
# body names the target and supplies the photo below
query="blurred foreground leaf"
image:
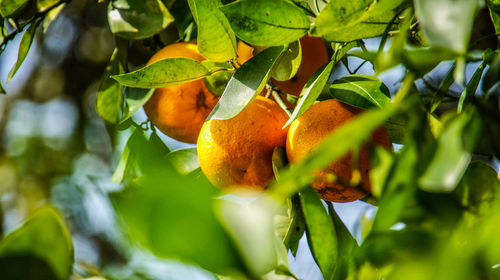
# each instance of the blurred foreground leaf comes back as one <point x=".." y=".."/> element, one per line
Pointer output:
<point x="250" y="226"/>
<point x="267" y="23"/>
<point x="453" y="32"/>
<point x="42" y="245"/>
<point x="184" y="160"/>
<point x="172" y="215"/>
<point x="454" y="151"/>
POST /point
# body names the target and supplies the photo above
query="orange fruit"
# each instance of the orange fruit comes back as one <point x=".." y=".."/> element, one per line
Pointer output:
<point x="310" y="128"/>
<point x="314" y="55"/>
<point x="180" y="110"/>
<point x="238" y="151"/>
<point x="245" y="52"/>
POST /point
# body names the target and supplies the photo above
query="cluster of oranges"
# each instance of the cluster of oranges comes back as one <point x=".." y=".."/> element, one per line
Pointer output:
<point x="238" y="151"/>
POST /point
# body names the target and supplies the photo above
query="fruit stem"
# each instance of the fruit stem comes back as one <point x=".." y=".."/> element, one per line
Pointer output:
<point x="280" y="102"/>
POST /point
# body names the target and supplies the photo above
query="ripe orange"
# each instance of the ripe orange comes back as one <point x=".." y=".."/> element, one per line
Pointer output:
<point x="238" y="151"/>
<point x="179" y="111"/>
<point x="314" y="55"/>
<point x="245" y="52"/>
<point x="315" y="124"/>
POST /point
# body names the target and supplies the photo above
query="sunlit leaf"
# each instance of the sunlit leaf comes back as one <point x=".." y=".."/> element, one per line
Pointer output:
<point x="166" y="72"/>
<point x="24" y="47"/>
<point x="362" y="91"/>
<point x="10" y="7"/>
<point x="455" y="146"/>
<point x="137" y="19"/>
<point x="110" y="97"/>
<point x="320" y="231"/>
<point x="184" y="160"/>
<point x="44" y="243"/>
<point x="248" y="81"/>
<point x="216" y="40"/>
<point x="373" y="22"/>
<point x="447" y="23"/>
<point x="43" y="5"/>
<point x="311" y="91"/>
<point x="267" y="23"/>
<point x="51" y="16"/>
<point x="288" y="64"/>
<point x="337" y="15"/>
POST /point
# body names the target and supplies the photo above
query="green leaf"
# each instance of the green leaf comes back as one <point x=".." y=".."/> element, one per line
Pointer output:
<point x="109" y="96"/>
<point x="249" y="224"/>
<point x="447" y="23"/>
<point x="337" y="15"/>
<point x="137" y="19"/>
<point x="44" y="5"/>
<point x="248" y="81"/>
<point x="396" y="127"/>
<point x="172" y="214"/>
<point x="346" y="244"/>
<point x="164" y="73"/>
<point x="362" y="91"/>
<point x="45" y="241"/>
<point x="298" y="175"/>
<point x="184" y="160"/>
<point x="24" y="47"/>
<point x="288" y="63"/>
<point x="267" y="23"/>
<point x="479" y="187"/>
<point x="470" y="89"/>
<point x="51" y="16"/>
<point x="216" y="40"/>
<point x="311" y="91"/>
<point x="321" y="234"/>
<point x="381" y="164"/>
<point x="454" y="151"/>
<point x="296" y="226"/>
<point x="135" y="98"/>
<point x="398" y="189"/>
<point x="443" y="88"/>
<point x="373" y="22"/>
<point x="494" y="7"/>
<point x="9" y="7"/>
<point x="2" y="90"/>
<point x="217" y="83"/>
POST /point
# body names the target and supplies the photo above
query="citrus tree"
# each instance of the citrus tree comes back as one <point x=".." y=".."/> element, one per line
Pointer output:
<point x="294" y="106"/>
